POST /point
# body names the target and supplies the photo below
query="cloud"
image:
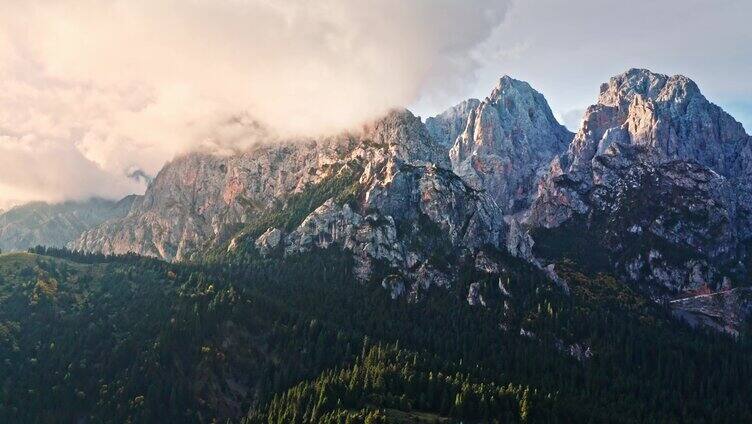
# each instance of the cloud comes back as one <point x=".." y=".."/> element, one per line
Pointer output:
<point x="572" y="119"/>
<point x="92" y="89"/>
<point x="54" y="172"/>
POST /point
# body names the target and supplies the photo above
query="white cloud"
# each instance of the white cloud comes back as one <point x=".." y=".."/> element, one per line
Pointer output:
<point x="91" y="89"/>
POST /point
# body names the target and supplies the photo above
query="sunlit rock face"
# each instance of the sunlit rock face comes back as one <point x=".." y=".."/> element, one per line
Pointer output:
<point x="200" y="197"/>
<point x="407" y="174"/>
<point x="450" y="124"/>
<point x="406" y="204"/>
<point x="507" y="140"/>
<point x="409" y="208"/>
<point x="661" y="176"/>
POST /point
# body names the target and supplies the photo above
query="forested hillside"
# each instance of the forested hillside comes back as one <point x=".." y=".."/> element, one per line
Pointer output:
<point x="89" y="338"/>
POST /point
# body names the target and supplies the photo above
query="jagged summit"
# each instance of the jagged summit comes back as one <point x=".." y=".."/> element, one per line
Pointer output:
<point x="507" y="139"/>
<point x="448" y="125"/>
<point x="406" y="137"/>
<point x="650" y="85"/>
<point x="656" y="164"/>
<point x="508" y="84"/>
<point x="660" y="118"/>
<point x="198" y="197"/>
<point x="654" y="160"/>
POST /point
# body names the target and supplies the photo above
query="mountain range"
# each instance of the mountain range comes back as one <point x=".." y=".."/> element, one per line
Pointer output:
<point x="654" y="187"/>
<point x="648" y="206"/>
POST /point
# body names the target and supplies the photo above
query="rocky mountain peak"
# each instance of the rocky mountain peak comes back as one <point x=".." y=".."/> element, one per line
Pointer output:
<point x="623" y="88"/>
<point x="201" y="197"/>
<point x="509" y="137"/>
<point x="404" y="208"/>
<point x="657" y="185"/>
<point x="521" y="106"/>
<point x="448" y="125"/>
<point x="661" y="119"/>
<point x="655" y="163"/>
<point x="405" y="138"/>
<point x="508" y="87"/>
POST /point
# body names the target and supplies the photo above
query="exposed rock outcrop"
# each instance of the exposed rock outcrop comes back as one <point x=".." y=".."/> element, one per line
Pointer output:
<point x="269" y="241"/>
<point x="656" y="188"/>
<point x="725" y="311"/>
<point x="407" y="210"/>
<point x="660" y="178"/>
<point x="507" y="140"/>
<point x="450" y="124"/>
<point x="474" y="297"/>
<point x="200" y="198"/>
<point x="406" y="204"/>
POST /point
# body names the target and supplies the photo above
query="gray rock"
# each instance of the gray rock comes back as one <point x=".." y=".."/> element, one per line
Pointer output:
<point x="504" y="287"/>
<point x="402" y="186"/>
<point x="201" y="198"/>
<point x="368" y="237"/>
<point x="655" y="164"/>
<point x="580" y="352"/>
<point x="527" y="333"/>
<point x="724" y="311"/>
<point x="519" y="242"/>
<point x="450" y="124"/>
<point x="550" y="271"/>
<point x="659" y="178"/>
<point x="269" y="241"/>
<point x="508" y="139"/>
<point x="395" y="285"/>
<point x="483" y="262"/>
<point x="473" y="295"/>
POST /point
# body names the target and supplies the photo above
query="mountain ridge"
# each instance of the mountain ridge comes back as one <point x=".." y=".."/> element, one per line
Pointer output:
<point x="656" y="169"/>
<point x="56" y="224"/>
<point x="655" y="160"/>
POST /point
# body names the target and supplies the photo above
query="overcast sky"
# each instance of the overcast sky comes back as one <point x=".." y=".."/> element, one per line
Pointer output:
<point x="91" y="90"/>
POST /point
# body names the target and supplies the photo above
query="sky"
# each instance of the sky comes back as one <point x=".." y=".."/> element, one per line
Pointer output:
<point x="95" y="92"/>
<point x="566" y="49"/>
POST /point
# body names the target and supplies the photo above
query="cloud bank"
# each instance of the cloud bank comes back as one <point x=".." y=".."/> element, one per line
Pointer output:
<point x="93" y="90"/>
